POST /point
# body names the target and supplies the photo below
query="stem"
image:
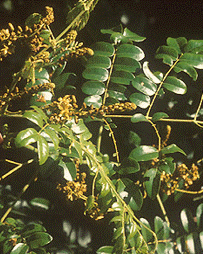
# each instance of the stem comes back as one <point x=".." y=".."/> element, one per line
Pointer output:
<point x="163" y="209"/>
<point x="114" y="140"/>
<point x="16" y="168"/>
<point x="164" y="78"/>
<point x="101" y="128"/>
<point x="18" y="197"/>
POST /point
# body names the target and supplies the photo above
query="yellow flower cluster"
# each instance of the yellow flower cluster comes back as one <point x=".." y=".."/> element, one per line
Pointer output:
<point x="73" y="190"/>
<point x="31" y="35"/>
<point x="66" y="108"/>
<point x="170" y="182"/>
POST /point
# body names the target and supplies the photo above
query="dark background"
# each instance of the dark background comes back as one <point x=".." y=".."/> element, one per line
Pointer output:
<point x="156" y="20"/>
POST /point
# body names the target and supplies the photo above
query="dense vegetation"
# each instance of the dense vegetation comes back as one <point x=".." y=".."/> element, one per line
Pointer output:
<point x="96" y="125"/>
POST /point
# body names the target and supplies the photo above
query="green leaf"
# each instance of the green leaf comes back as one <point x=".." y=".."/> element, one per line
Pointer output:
<point x="173" y="148"/>
<point x="40" y="203"/>
<point x="192" y="243"/>
<point x="34" y="117"/>
<point x="161" y="229"/>
<point x="133" y="36"/>
<point x="159" y="115"/>
<point x="148" y="236"/>
<point x="141" y="100"/>
<point x="129" y="166"/>
<point x="98" y="61"/>
<point x="117" y="37"/>
<point x="144" y="153"/>
<point x="26" y="137"/>
<point x="41" y="112"/>
<point x="95" y="100"/>
<point x="173" y="43"/>
<point x="117" y="95"/>
<point x="144" y="85"/>
<point x="79" y="127"/>
<point x="138" y="117"/>
<point x="167" y="165"/>
<point x="131" y="51"/>
<point x="152" y="184"/>
<point x="135" y="198"/>
<point x="20" y="248"/>
<point x="94" y="73"/>
<point x="42" y="149"/>
<point x="194" y="46"/>
<point x="103" y="49"/>
<point x="38" y="239"/>
<point x="33" y="19"/>
<point x="90" y="203"/>
<point x="166" y="59"/>
<point x="105" y="250"/>
<point x="149" y="74"/>
<point x="122" y="77"/>
<point x="126" y="64"/>
<point x="31" y="228"/>
<point x="166" y="50"/>
<point x="42" y="74"/>
<point x="193" y="59"/>
<point x="187" y="220"/>
<point x="134" y="138"/>
<point x="61" y="80"/>
<point x="187" y="68"/>
<point x="199" y="215"/>
<point x="45" y="34"/>
<point x="175" y="85"/>
<point x="69" y="170"/>
<point x="53" y="137"/>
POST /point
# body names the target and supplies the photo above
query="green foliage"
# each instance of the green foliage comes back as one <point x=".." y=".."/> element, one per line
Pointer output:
<point x="56" y="130"/>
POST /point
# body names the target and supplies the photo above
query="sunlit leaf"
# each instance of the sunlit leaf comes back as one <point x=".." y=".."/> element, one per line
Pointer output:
<point x="117" y="95"/>
<point x="103" y="49"/>
<point x="175" y="85"/>
<point x="149" y="74"/>
<point x="138" y="117"/>
<point x="194" y="46"/>
<point x="148" y="236"/>
<point x="38" y="239"/>
<point x="144" y="85"/>
<point x="187" y="220"/>
<point x="69" y="170"/>
<point x="152" y="183"/>
<point x="53" y="137"/>
<point x="95" y="100"/>
<point x="193" y="59"/>
<point x="144" y="153"/>
<point x="34" y="117"/>
<point x="42" y="150"/>
<point x="41" y="74"/>
<point x="173" y="148"/>
<point x="199" y="215"/>
<point x="187" y="68"/>
<point x="99" y="61"/>
<point x="94" y="73"/>
<point x="40" y="203"/>
<point x="26" y="137"/>
<point x="105" y="250"/>
<point x="41" y="112"/>
<point x="133" y="36"/>
<point x="20" y="248"/>
<point x="141" y="100"/>
<point x="131" y="51"/>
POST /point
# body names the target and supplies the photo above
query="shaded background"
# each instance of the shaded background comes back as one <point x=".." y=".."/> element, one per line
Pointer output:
<point x="156" y="20"/>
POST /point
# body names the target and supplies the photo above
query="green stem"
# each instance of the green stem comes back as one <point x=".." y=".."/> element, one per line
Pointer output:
<point x="163" y="209"/>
